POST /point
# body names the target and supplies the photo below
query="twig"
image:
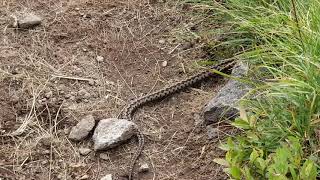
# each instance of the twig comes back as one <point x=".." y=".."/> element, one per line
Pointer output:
<point x="174" y="48"/>
<point x="71" y="77"/>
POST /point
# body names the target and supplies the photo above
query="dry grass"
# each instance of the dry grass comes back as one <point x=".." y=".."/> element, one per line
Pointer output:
<point x="50" y="77"/>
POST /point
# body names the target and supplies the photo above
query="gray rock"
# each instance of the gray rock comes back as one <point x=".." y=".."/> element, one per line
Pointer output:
<point x="107" y="177"/>
<point x="225" y="104"/>
<point x="112" y="132"/>
<point x="144" y="168"/>
<point x="82" y="129"/>
<point x="28" y="21"/>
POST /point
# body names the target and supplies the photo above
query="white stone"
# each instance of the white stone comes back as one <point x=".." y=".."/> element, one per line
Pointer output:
<point x="144" y="168"/>
<point x="112" y="132"/>
<point x="100" y="58"/>
<point x="164" y="63"/>
<point x="162" y="41"/>
<point x="107" y="177"/>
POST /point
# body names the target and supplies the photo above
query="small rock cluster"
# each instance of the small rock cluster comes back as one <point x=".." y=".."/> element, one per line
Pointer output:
<point x="108" y="133"/>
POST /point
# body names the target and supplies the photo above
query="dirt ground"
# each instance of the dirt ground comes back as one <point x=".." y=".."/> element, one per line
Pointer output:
<point x="54" y="74"/>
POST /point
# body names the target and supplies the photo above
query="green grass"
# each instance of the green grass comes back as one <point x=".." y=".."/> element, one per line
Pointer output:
<point x="280" y="118"/>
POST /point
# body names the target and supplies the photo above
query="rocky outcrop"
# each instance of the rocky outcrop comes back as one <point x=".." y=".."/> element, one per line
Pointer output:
<point x="225" y="105"/>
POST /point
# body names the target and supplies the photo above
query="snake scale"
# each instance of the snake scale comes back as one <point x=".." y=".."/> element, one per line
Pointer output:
<point x="135" y="104"/>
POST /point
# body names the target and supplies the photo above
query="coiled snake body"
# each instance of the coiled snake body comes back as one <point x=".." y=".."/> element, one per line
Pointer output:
<point x="135" y="104"/>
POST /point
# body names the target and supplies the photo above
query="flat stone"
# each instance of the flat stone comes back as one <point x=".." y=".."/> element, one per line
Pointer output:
<point x="28" y="21"/>
<point x="82" y="129"/>
<point x="112" y="132"/>
<point x="107" y="177"/>
<point x="225" y="105"/>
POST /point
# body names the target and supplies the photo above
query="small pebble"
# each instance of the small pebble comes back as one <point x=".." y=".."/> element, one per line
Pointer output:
<point x="162" y="41"/>
<point x="77" y="8"/>
<point x="104" y="156"/>
<point x="84" y="151"/>
<point x="82" y="92"/>
<point x="100" y="59"/>
<point x="66" y="131"/>
<point x="91" y="82"/>
<point x="46" y="151"/>
<point x="62" y="92"/>
<point x="164" y="63"/>
<point x="48" y="94"/>
<point x="77" y="165"/>
<point x="144" y="168"/>
<point x="60" y="176"/>
<point x="107" y="177"/>
<point x="67" y="96"/>
<point x="77" y="70"/>
<point x="44" y="162"/>
<point x="87" y="95"/>
<point x="42" y="100"/>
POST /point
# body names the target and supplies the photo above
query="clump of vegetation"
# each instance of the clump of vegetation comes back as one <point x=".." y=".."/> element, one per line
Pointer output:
<point x="280" y="138"/>
<point x="280" y="125"/>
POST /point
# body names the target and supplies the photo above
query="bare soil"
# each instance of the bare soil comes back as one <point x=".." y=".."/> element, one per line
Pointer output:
<point x="51" y="77"/>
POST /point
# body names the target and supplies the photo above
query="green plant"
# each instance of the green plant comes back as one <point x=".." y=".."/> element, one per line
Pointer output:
<point x="280" y="118"/>
<point x="245" y="158"/>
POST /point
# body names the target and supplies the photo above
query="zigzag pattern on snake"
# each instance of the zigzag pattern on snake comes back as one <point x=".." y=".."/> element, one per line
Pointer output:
<point x="135" y="104"/>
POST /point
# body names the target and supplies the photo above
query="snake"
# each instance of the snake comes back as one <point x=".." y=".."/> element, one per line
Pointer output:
<point x="166" y="91"/>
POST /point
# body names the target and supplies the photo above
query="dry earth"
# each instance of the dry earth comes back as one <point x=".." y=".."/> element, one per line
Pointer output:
<point x="51" y="77"/>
